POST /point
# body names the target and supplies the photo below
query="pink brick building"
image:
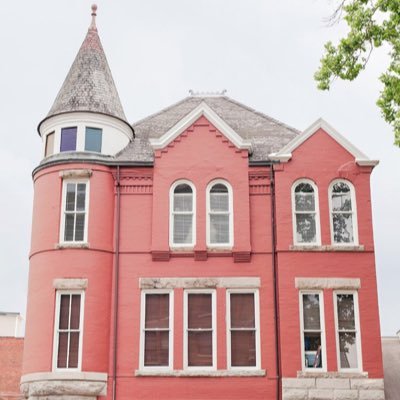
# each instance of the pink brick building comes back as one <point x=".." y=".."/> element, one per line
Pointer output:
<point x="206" y="251"/>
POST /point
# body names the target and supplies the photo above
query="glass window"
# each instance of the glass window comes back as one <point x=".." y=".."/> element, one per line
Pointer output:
<point x="182" y="215"/>
<point x="68" y="329"/>
<point x="49" y="150"/>
<point x="93" y="139"/>
<point x="306" y="219"/>
<point x="68" y="139"/>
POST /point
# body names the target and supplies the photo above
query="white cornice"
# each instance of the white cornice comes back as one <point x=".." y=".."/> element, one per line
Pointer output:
<point x="201" y="110"/>
<point x="285" y="154"/>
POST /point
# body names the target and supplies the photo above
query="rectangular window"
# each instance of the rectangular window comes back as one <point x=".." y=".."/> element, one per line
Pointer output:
<point x="243" y="329"/>
<point x="93" y="139"/>
<point x="68" y="330"/>
<point x="200" y="344"/>
<point x="49" y="150"/>
<point x="74" y="218"/>
<point x="347" y="327"/>
<point x="157" y="329"/>
<point x="312" y="335"/>
<point x="68" y="139"/>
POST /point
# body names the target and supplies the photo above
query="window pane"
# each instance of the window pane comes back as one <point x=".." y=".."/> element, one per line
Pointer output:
<point x="62" y="350"/>
<point x="304" y="188"/>
<point x="345" y="309"/>
<point x="219" y="188"/>
<point x="311" y="312"/>
<point x="243" y="348"/>
<point x="68" y="139"/>
<point x="157" y="311"/>
<point x="93" y="138"/>
<point x="312" y="350"/>
<point x="242" y="310"/>
<point x="75" y="311"/>
<point x="70" y="197"/>
<point x="341" y="197"/>
<point x="343" y="228"/>
<point x="183" y="188"/>
<point x="69" y="227"/>
<point x="64" y="311"/>
<point x="73" y="350"/>
<point x="219" y="202"/>
<point x="219" y="228"/>
<point x="80" y="197"/>
<point x="49" y="144"/>
<point x="306" y="228"/>
<point x="348" y="350"/>
<point x="200" y="311"/>
<point x="183" y="202"/>
<point x="200" y="348"/>
<point x="80" y="227"/>
<point x="183" y="228"/>
<point x="156" y="348"/>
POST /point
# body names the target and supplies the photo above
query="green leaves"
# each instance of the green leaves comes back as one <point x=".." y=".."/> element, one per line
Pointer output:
<point x="372" y="23"/>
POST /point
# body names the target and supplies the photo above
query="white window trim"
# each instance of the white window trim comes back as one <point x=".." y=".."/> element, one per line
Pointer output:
<point x="228" y="245"/>
<point x="63" y="201"/>
<point x="214" y="330"/>
<point x="168" y="367"/>
<point x="56" y="325"/>
<point x="358" y="331"/>
<point x="323" y="338"/>
<point x="171" y="216"/>
<point x="317" y="217"/>
<point x="257" y="328"/>
<point x="353" y="210"/>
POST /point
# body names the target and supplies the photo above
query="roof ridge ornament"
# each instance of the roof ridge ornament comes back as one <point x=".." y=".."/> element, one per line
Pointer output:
<point x="215" y="93"/>
<point x="94" y="14"/>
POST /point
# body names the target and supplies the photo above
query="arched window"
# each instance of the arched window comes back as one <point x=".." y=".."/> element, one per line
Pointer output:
<point x="306" y="227"/>
<point x="343" y="213"/>
<point x="182" y="211"/>
<point x="219" y="218"/>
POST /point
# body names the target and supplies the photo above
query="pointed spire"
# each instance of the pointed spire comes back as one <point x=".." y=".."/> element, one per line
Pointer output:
<point x="89" y="85"/>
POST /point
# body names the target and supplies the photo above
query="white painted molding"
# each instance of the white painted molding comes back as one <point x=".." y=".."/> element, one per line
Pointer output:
<point x="327" y="283"/>
<point x="75" y="173"/>
<point x="203" y="283"/>
<point x="209" y="373"/>
<point x="201" y="110"/>
<point x="70" y="284"/>
<point x="285" y="154"/>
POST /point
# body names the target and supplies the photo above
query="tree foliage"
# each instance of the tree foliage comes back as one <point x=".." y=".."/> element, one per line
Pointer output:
<point x="371" y="23"/>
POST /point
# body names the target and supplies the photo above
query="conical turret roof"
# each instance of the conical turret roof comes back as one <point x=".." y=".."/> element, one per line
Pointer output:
<point x="89" y="85"/>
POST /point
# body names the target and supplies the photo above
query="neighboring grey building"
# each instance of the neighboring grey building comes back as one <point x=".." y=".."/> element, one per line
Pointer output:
<point x="391" y="366"/>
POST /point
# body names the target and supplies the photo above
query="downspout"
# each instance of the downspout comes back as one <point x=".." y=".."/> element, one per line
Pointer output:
<point x="275" y="285"/>
<point x="116" y="284"/>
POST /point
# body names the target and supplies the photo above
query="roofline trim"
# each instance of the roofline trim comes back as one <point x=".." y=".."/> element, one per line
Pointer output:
<point x="285" y="154"/>
<point x="201" y="110"/>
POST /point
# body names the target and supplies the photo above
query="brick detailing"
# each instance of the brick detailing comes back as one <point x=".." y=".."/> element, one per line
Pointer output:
<point x="332" y="388"/>
<point x="259" y="183"/>
<point x="136" y="183"/>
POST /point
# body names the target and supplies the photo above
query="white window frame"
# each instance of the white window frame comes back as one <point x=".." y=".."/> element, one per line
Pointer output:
<point x="357" y="330"/>
<point x="317" y="215"/>
<point x="168" y="367"/>
<point x="255" y="292"/>
<point x="323" y="337"/>
<point x="63" y="203"/>
<point x="60" y="292"/>
<point x="185" y="329"/>
<point x="172" y="213"/>
<point x="353" y="211"/>
<point x="228" y="245"/>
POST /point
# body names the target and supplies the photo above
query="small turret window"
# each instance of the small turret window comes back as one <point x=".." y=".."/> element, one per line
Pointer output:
<point x="49" y="150"/>
<point x="93" y="139"/>
<point x="68" y="139"/>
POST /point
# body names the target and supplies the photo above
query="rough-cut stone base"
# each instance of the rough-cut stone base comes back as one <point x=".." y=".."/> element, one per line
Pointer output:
<point x="64" y="385"/>
<point x="337" y="387"/>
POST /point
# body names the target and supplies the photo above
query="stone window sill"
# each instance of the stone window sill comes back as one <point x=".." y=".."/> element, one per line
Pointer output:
<point x="321" y="374"/>
<point x="202" y="373"/>
<point x="72" y="245"/>
<point x="328" y="248"/>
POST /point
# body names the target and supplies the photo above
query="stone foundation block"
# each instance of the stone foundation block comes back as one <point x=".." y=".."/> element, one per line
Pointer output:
<point x="374" y="384"/>
<point x="342" y="394"/>
<point x="295" y="394"/>
<point x="372" y="395"/>
<point x="300" y="383"/>
<point x="333" y="383"/>
<point x="320" y="394"/>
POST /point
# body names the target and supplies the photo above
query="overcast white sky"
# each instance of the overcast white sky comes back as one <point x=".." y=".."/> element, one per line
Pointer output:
<point x="263" y="52"/>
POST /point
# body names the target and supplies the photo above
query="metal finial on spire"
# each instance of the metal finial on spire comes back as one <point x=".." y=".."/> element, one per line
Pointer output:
<point x="93" y="24"/>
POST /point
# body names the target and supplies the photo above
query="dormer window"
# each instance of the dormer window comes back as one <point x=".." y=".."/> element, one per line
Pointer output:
<point x="93" y="139"/>
<point x="68" y="139"/>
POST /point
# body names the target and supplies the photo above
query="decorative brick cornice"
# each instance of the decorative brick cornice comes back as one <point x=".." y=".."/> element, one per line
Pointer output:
<point x="241" y="256"/>
<point x="259" y="182"/>
<point x="136" y="183"/>
<point x="160" y="255"/>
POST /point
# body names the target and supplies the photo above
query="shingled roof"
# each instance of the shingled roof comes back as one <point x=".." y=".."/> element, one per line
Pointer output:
<point x="266" y="134"/>
<point x="89" y="85"/>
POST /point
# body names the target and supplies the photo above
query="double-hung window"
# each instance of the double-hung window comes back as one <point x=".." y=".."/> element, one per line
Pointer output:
<point x="348" y="331"/>
<point x="182" y="214"/>
<point x="306" y="227"/>
<point x="243" y="329"/>
<point x="343" y="213"/>
<point x="200" y="335"/>
<point x="68" y="330"/>
<point x="313" y="334"/>
<point x="156" y="335"/>
<point x="220" y="217"/>
<point x="74" y="211"/>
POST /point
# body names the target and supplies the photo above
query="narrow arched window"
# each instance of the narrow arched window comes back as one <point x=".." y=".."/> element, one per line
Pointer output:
<point x="219" y="221"/>
<point x="182" y="226"/>
<point x="343" y="213"/>
<point x="306" y="229"/>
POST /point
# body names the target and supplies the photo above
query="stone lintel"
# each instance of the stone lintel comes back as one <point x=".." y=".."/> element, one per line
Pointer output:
<point x="70" y="283"/>
<point x="192" y="283"/>
<point x="327" y="283"/>
<point x="76" y="173"/>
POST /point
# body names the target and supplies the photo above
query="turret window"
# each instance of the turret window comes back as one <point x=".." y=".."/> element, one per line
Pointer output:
<point x="49" y="150"/>
<point x="93" y="139"/>
<point x="68" y="139"/>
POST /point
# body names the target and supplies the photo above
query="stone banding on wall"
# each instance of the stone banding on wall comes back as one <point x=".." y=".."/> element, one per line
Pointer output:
<point x="70" y="284"/>
<point x="190" y="283"/>
<point x="327" y="283"/>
